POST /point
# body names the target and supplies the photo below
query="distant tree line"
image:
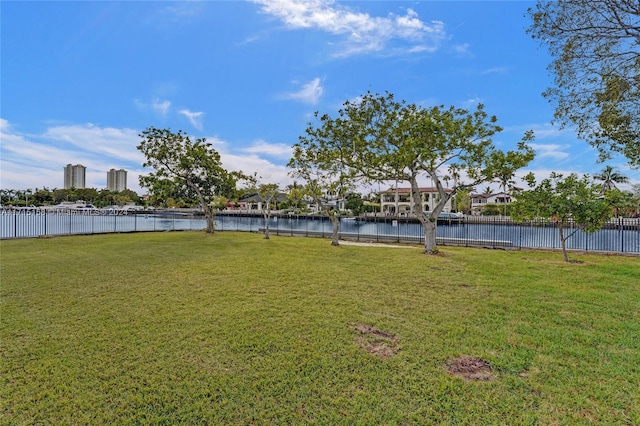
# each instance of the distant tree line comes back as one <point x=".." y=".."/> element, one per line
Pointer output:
<point x="623" y="202"/>
<point x="604" y="186"/>
<point x="45" y="196"/>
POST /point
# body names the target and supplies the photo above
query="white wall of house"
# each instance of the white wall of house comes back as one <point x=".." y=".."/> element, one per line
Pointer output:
<point x="400" y="202"/>
<point x="478" y="201"/>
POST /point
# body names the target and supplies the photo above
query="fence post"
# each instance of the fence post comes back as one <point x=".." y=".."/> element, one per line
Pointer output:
<point x="520" y="235"/>
<point x="495" y="219"/>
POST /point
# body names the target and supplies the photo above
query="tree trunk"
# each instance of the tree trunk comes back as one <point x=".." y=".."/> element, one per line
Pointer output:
<point x="429" y="228"/>
<point x="207" y="209"/>
<point x="267" y="216"/>
<point x="211" y="221"/>
<point x="563" y="242"/>
<point x="428" y="223"/>
<point x="335" y="224"/>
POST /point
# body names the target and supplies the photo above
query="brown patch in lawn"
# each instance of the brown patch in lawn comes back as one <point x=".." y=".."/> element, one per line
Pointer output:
<point x="377" y="342"/>
<point x="470" y="368"/>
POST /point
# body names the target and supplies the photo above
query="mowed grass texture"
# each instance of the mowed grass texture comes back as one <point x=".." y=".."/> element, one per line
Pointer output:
<point x="168" y="328"/>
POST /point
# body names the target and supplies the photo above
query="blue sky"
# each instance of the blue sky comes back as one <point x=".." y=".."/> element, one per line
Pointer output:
<point x="81" y="80"/>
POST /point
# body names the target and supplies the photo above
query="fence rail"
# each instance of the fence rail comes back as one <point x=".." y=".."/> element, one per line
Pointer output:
<point x="619" y="235"/>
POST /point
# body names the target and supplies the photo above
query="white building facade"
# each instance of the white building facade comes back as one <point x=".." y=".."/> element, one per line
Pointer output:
<point x="479" y="201"/>
<point x="74" y="176"/>
<point x="116" y="180"/>
<point x="399" y="201"/>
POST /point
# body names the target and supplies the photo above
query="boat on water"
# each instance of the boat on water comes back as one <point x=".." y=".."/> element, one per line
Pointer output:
<point x="447" y="218"/>
<point x="446" y="215"/>
<point x="70" y="205"/>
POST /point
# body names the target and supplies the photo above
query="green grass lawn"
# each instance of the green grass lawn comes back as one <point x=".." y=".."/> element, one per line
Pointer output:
<point x="167" y="328"/>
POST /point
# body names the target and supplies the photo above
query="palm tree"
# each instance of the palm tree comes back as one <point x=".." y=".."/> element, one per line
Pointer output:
<point x="11" y="194"/>
<point x="609" y="178"/>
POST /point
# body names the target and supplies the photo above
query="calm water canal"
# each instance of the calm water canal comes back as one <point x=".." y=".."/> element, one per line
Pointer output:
<point x="621" y="236"/>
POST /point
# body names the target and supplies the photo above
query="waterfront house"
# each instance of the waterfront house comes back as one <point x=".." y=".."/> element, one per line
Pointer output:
<point x="399" y="201"/>
<point x="256" y="203"/>
<point x="479" y="201"/>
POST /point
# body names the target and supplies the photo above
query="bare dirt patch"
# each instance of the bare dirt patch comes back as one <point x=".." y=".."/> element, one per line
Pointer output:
<point x="470" y="368"/>
<point x="377" y="342"/>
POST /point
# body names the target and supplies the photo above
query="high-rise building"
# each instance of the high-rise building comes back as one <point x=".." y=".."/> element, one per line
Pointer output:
<point x="74" y="176"/>
<point x="117" y="180"/>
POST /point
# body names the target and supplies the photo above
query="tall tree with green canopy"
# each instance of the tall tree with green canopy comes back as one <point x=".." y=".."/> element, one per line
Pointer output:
<point x="295" y="196"/>
<point x="268" y="194"/>
<point x="595" y="45"/>
<point x="354" y="203"/>
<point x="393" y="140"/>
<point x="505" y="171"/>
<point x="186" y="164"/>
<point x="323" y="158"/>
<point x="463" y="201"/>
<point x="622" y="203"/>
<point x="573" y="203"/>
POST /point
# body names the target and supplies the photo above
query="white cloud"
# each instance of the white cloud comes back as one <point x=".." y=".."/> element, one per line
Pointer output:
<point x="359" y="32"/>
<point x="36" y="161"/>
<point x="30" y="161"/>
<point x="495" y="70"/>
<point x="551" y="151"/>
<point x="271" y="149"/>
<point x="249" y="40"/>
<point x="195" y="118"/>
<point x="309" y="94"/>
<point x="250" y="160"/>
<point x="541" y="130"/>
<point x="157" y="106"/>
<point x="162" y="107"/>
<point x="268" y="171"/>
<point x="20" y="176"/>
<point x="463" y="49"/>
<point x="88" y="138"/>
<point x="471" y="103"/>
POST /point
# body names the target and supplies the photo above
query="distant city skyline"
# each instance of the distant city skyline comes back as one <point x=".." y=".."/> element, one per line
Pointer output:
<point x="75" y="177"/>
